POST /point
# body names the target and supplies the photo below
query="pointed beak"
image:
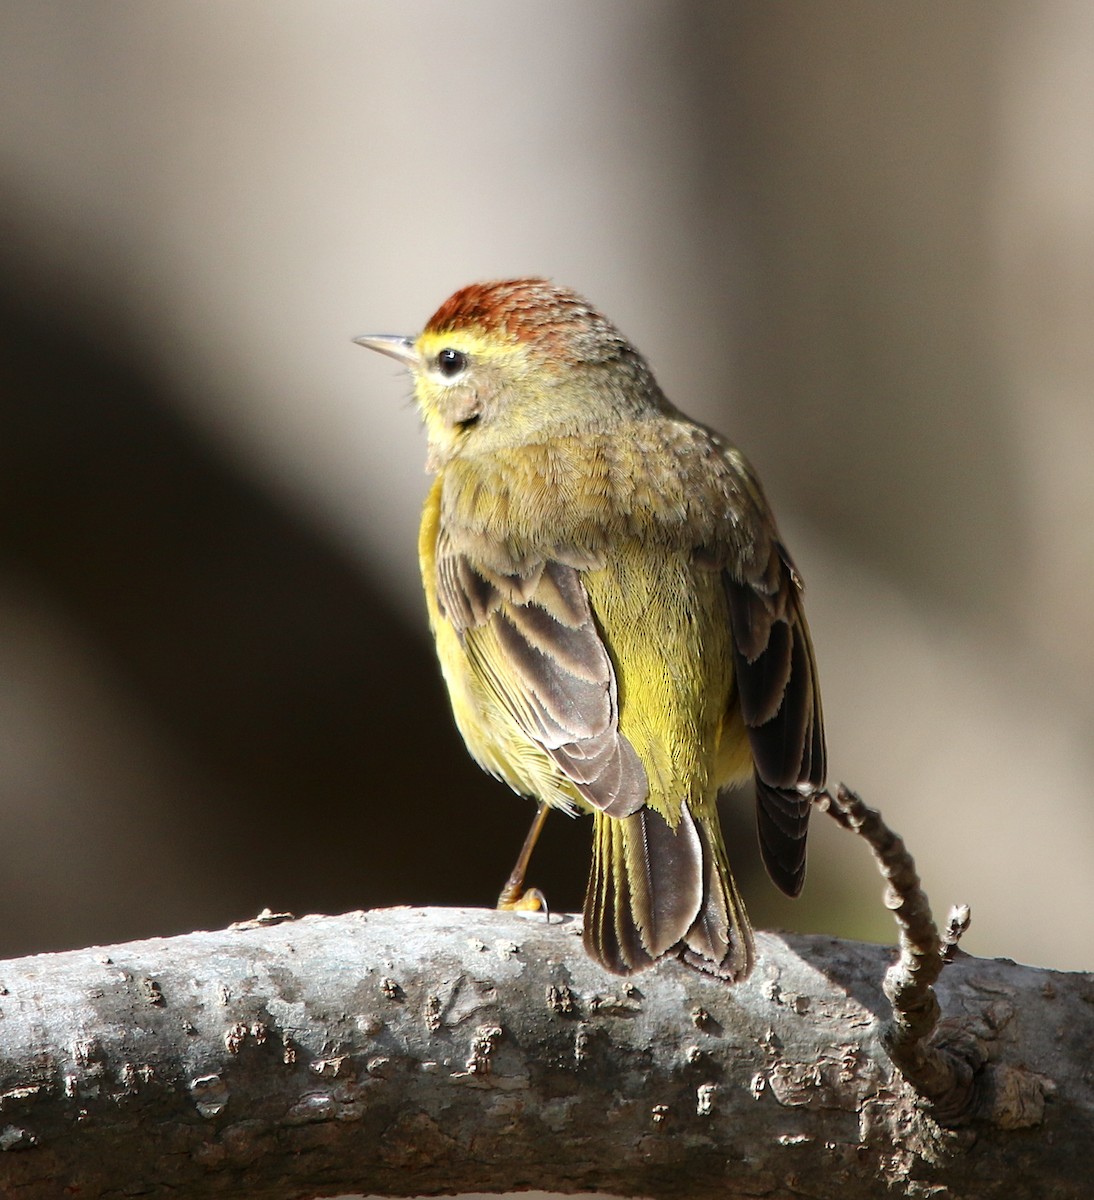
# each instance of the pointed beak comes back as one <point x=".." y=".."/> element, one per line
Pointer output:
<point x="393" y="345"/>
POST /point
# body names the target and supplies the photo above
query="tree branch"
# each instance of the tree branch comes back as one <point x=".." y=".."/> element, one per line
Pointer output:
<point x="412" y="1051"/>
<point x="945" y="1073"/>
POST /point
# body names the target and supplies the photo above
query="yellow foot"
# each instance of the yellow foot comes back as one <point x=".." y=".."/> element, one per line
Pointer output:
<point x="516" y="899"/>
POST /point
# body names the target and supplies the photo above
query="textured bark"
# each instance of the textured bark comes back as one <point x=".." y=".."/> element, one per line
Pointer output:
<point x="411" y="1051"/>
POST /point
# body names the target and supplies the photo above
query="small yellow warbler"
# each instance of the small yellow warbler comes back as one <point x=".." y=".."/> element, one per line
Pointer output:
<point x="618" y="623"/>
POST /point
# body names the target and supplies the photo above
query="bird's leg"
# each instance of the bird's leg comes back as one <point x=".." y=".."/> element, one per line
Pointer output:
<point x="513" y="895"/>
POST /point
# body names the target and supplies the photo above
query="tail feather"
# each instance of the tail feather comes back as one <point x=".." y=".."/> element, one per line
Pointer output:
<point x="662" y="870"/>
<point x="720" y="941"/>
<point x="654" y="890"/>
<point x="613" y="942"/>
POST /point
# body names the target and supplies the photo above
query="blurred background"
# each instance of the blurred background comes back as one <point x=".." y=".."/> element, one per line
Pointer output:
<point x="859" y="238"/>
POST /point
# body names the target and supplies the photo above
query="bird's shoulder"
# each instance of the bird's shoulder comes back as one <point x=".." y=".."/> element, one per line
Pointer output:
<point x="665" y="480"/>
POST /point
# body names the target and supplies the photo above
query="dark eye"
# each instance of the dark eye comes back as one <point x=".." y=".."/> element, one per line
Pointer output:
<point x="451" y="362"/>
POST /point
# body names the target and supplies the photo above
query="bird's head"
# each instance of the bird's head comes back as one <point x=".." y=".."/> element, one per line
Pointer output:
<point x="514" y="361"/>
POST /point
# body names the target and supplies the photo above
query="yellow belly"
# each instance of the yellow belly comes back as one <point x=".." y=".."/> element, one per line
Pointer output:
<point x="665" y="623"/>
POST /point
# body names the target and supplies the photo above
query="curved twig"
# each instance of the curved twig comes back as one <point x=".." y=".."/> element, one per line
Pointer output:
<point x="942" y="1073"/>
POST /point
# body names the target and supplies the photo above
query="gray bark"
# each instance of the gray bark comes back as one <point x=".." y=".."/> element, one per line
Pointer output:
<point x="412" y="1051"/>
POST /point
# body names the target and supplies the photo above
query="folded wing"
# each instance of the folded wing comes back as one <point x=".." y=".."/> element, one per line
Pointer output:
<point x="533" y="642"/>
<point x="779" y="696"/>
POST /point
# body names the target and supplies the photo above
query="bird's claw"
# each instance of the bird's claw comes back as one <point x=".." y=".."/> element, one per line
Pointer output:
<point x="516" y="899"/>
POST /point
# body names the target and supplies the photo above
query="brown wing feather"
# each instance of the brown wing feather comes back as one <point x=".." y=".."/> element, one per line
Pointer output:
<point x="777" y="689"/>
<point x="533" y="638"/>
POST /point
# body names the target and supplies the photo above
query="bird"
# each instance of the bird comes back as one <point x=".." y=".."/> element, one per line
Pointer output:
<point x="619" y="625"/>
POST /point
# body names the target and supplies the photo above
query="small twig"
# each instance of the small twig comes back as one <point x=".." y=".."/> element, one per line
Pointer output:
<point x="940" y="1074"/>
<point x="956" y="927"/>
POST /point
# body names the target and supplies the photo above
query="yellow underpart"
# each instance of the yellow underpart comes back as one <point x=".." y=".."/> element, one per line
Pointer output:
<point x="666" y="626"/>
